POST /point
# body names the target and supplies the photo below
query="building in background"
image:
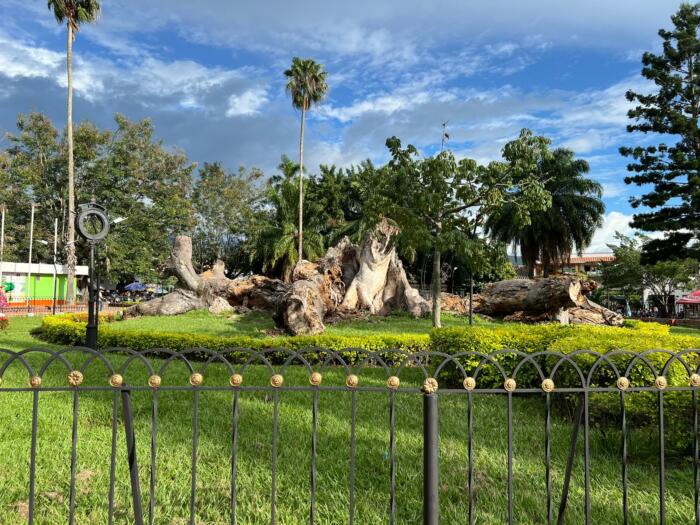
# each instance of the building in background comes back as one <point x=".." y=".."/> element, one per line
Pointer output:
<point x="41" y="282"/>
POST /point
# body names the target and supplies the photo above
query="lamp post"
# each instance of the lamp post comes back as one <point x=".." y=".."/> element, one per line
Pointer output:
<point x="93" y="225"/>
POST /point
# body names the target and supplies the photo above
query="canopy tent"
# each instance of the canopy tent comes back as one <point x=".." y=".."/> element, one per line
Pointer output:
<point x="692" y="298"/>
<point x="135" y="287"/>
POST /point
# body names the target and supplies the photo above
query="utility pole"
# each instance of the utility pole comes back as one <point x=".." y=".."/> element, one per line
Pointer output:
<point x="28" y="286"/>
<point x="55" y="271"/>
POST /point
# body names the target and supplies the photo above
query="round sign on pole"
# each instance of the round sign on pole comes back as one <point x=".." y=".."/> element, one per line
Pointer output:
<point x="92" y="222"/>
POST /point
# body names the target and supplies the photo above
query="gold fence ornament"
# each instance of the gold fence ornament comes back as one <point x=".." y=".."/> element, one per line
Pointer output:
<point x="660" y="382"/>
<point x="469" y="383"/>
<point x="430" y="385"/>
<point x="196" y="379"/>
<point x="75" y="378"/>
<point x="35" y="381"/>
<point x="116" y="381"/>
<point x="352" y="381"/>
<point x="393" y="383"/>
<point x="623" y="383"/>
<point x="236" y="380"/>
<point x="548" y="385"/>
<point x="510" y="385"/>
<point x="154" y="381"/>
<point x="277" y="380"/>
<point x="694" y="380"/>
<point x="316" y="379"/>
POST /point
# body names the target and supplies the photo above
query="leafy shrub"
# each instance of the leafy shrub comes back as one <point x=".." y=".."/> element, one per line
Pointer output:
<point x="69" y="329"/>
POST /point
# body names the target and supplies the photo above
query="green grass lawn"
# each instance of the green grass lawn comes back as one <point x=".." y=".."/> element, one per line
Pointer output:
<point x="254" y="480"/>
<point x="261" y="324"/>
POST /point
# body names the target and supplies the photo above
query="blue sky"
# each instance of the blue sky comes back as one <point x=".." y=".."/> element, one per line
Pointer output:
<point x="209" y="74"/>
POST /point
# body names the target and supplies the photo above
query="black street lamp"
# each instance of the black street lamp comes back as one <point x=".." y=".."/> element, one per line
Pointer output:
<point x="93" y="225"/>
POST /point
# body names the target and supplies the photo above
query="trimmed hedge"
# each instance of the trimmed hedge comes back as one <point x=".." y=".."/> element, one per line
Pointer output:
<point x="69" y="329"/>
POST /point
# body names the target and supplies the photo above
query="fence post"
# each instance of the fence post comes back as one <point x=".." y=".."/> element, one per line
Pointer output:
<point x="431" y="469"/>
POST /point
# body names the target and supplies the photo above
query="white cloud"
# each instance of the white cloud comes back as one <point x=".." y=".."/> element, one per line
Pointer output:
<point x="247" y="103"/>
<point x="613" y="222"/>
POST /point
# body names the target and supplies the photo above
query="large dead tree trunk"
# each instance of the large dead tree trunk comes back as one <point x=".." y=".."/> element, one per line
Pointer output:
<point x="351" y="279"/>
<point x="369" y="276"/>
<point x="560" y="299"/>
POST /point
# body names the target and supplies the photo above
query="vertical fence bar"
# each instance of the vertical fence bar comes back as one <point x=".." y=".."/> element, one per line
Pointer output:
<point x="32" y="457"/>
<point x="314" y="444"/>
<point x="113" y="458"/>
<point x="696" y="458"/>
<point x="195" y="443"/>
<point x="73" y="459"/>
<point x="662" y="462"/>
<point x="470" y="459"/>
<point x="510" y="458"/>
<point x="548" y="454"/>
<point x="273" y="490"/>
<point x="586" y="462"/>
<point x="392" y="459"/>
<point x="131" y="455"/>
<point x="351" y="480"/>
<point x="625" y="497"/>
<point x="431" y="452"/>
<point x="234" y="455"/>
<point x="154" y="450"/>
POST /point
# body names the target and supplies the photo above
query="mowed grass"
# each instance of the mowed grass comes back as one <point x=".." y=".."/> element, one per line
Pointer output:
<point x="260" y="324"/>
<point x="372" y="468"/>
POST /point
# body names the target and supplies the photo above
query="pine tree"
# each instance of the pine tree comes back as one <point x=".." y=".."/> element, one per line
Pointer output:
<point x="670" y="110"/>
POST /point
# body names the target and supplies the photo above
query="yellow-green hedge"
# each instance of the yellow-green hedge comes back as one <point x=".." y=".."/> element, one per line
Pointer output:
<point x="69" y="329"/>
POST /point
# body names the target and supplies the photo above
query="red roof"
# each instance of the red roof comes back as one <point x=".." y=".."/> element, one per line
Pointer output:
<point x="692" y="298"/>
<point x="592" y="258"/>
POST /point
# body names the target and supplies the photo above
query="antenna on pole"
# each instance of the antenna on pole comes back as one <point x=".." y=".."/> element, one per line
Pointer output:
<point x="445" y="136"/>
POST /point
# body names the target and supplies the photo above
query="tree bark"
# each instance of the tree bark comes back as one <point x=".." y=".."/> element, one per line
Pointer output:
<point x="552" y="299"/>
<point x="538" y="296"/>
<point x="350" y="279"/>
<point x="435" y="285"/>
<point x="71" y="259"/>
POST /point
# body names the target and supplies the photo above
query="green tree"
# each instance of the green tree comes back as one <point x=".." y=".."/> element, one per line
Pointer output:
<point x="73" y="13"/>
<point x="127" y="169"/>
<point x="307" y="85"/>
<point x="569" y="224"/>
<point x="224" y="204"/>
<point x="671" y="111"/>
<point x="440" y="202"/>
<point x="273" y="235"/>
<point x="662" y="279"/>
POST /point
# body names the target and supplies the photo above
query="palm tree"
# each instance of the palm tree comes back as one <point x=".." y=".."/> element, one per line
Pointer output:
<point x="306" y="83"/>
<point x="273" y="242"/>
<point x="73" y="13"/>
<point x="577" y="211"/>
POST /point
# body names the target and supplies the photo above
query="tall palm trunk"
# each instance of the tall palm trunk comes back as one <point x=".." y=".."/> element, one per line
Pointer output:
<point x="71" y="258"/>
<point x="301" y="181"/>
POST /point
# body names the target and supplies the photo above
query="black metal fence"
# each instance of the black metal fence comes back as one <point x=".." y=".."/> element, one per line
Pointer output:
<point x="555" y="380"/>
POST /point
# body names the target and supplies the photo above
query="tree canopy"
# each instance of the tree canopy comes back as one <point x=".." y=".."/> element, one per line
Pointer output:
<point x="670" y="112"/>
<point x="567" y="225"/>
